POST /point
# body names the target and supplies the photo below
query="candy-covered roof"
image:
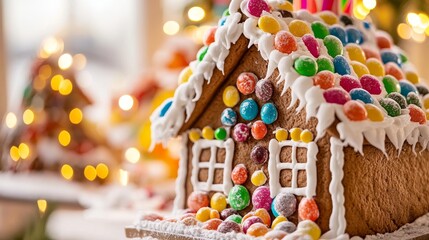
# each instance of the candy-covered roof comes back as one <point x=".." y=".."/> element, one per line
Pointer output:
<point x="336" y="67"/>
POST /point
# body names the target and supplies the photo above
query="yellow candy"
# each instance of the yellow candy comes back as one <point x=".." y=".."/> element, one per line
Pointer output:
<point x="295" y="134"/>
<point x="269" y="24"/>
<point x="286" y="5"/>
<point x="185" y="74"/>
<point x="258" y="178"/>
<point x="359" y="68"/>
<point x="355" y="53"/>
<point x="306" y="136"/>
<point x="328" y="17"/>
<point x="194" y="135"/>
<point x="214" y="214"/>
<point x="278" y="220"/>
<point x="230" y="96"/>
<point x="412" y="77"/>
<point x="208" y="133"/>
<point x="374" y="113"/>
<point x="218" y="202"/>
<point x="375" y="67"/>
<point x="203" y="214"/>
<point x="426" y="102"/>
<point x="299" y="28"/>
<point x="281" y="134"/>
<point x="310" y="228"/>
<point x="427" y="115"/>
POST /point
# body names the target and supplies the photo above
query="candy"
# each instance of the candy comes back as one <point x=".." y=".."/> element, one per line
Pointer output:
<point x="324" y="63"/>
<point x="375" y="67"/>
<point x="341" y="66"/>
<point x="391" y="84"/>
<point x="228" y="212"/>
<point x="249" y="222"/>
<point x="286" y="14"/>
<point x="208" y="133"/>
<point x="333" y="45"/>
<point x="249" y="109"/>
<point x="261" y="198"/>
<point x="264" y="90"/>
<point x="306" y="66"/>
<point x="299" y="28"/>
<point x="340" y="33"/>
<point x="246" y="83"/>
<point x="311" y="44"/>
<point x="259" y="154"/>
<point x="285" y="42"/>
<point x="235" y="218"/>
<point x="263" y="214"/>
<point x="202" y="53"/>
<point x="306" y="136"/>
<point x="230" y="96"/>
<point x="319" y="29"/>
<point x="354" y="35"/>
<point x="269" y="113"/>
<point x="370" y="53"/>
<point x="152" y="217"/>
<point x="355" y="111"/>
<point x="374" y="113"/>
<point x="422" y="90"/>
<point x="286" y="226"/>
<point x="383" y="42"/>
<point x="198" y="200"/>
<point x="239" y="197"/>
<point x="417" y="114"/>
<point x="287" y="6"/>
<point x="214" y="214"/>
<point x="349" y="82"/>
<point x="336" y="95"/>
<point x="362" y="95"/>
<point x="256" y="7"/>
<point x="189" y="221"/>
<point x="413" y="98"/>
<point x="371" y="84"/>
<point x="257" y="230"/>
<point x="194" y="135"/>
<point x="259" y="130"/>
<point x="308" y="210"/>
<point x="324" y="80"/>
<point x="295" y="134"/>
<point x="203" y="214"/>
<point x="211" y="224"/>
<point x="248" y="215"/>
<point x="186" y="215"/>
<point x="346" y="20"/>
<point x="228" y="226"/>
<point x="310" y="228"/>
<point x="239" y="174"/>
<point x="412" y="77"/>
<point x="218" y="202"/>
<point x="258" y="178"/>
<point x="389" y="56"/>
<point x="328" y="17"/>
<point x="355" y="53"/>
<point x="392" y="108"/>
<point x="404" y="58"/>
<point x="426" y="102"/>
<point x="273" y="208"/>
<point x="269" y="24"/>
<point x="228" y="117"/>
<point x="282" y="134"/>
<point x="278" y="220"/>
<point x="275" y="235"/>
<point x="394" y="70"/>
<point x="209" y="36"/>
<point x="226" y="13"/>
<point x="367" y="25"/>
<point x="165" y="108"/>
<point x="220" y="133"/>
<point x="185" y="74"/>
<point x="285" y="204"/>
<point x="359" y="68"/>
<point x="406" y="87"/>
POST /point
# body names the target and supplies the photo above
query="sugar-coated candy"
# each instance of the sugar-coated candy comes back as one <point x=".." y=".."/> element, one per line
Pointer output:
<point x="275" y="235"/>
<point x="346" y="20"/>
<point x="426" y="102"/>
<point x="308" y="210"/>
<point x="324" y="64"/>
<point x="218" y="202"/>
<point x="286" y="5"/>
<point x="413" y="98"/>
<point x="349" y="82"/>
<point x="374" y="113"/>
<point x="230" y="96"/>
<point x="259" y="154"/>
<point x="228" y="117"/>
<point x="185" y="74"/>
<point x="355" y="111"/>
<point x="309" y="227"/>
<point x="261" y="198"/>
<point x="228" y="212"/>
<point x="389" y="56"/>
<point x="235" y="218"/>
<point x="336" y="95"/>
<point x="324" y="79"/>
<point x="285" y="204"/>
<point x="246" y="83"/>
<point x="152" y="217"/>
<point x="269" y="24"/>
<point x="198" y="200"/>
<point x="417" y="114"/>
<point x="423" y="90"/>
<point x="165" y="108"/>
<point x="320" y="30"/>
<point x="258" y="178"/>
<point x="406" y="87"/>
<point x="355" y="53"/>
<point x="339" y="32"/>
<point x="371" y="84"/>
<point x="375" y="67"/>
<point x="278" y="220"/>
<point x="256" y="7"/>
<point x="249" y="222"/>
<point x="391" y="106"/>
<point x="394" y="70"/>
<point x="397" y="97"/>
<point x="264" y="215"/>
<point x="285" y="42"/>
<point x="220" y="133"/>
<point x="341" y="65"/>
<point x="209" y="36"/>
<point x="247" y="215"/>
<point x="328" y="17"/>
<point x="333" y="45"/>
<point x="239" y="197"/>
<point x="257" y="230"/>
<point x="194" y="135"/>
<point x="189" y="214"/>
<point x="264" y="90"/>
<point x="203" y="214"/>
<point x="211" y="224"/>
<point x="391" y="84"/>
<point x="295" y="134"/>
<point x="362" y="95"/>
<point x="189" y="221"/>
<point x="371" y="53"/>
<point x="239" y="174"/>
<point x="258" y="130"/>
<point x="299" y="28"/>
<point x="306" y="66"/>
<point x="312" y="45"/>
<point x="354" y="35"/>
<point x="359" y="68"/>
<point x="208" y="133"/>
<point x="214" y="214"/>
<point x="249" y="109"/>
<point x="269" y="113"/>
<point x="412" y="77"/>
<point x="383" y="42"/>
<point x="202" y="53"/>
<point x="282" y="134"/>
<point x="286" y="226"/>
<point x="306" y="136"/>
<point x="273" y="208"/>
<point x="229" y="226"/>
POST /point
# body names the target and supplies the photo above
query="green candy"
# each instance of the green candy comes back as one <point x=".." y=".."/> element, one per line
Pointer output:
<point x="324" y="63"/>
<point x="235" y="218"/>
<point x="391" y="84"/>
<point x="220" y="133"/>
<point x="334" y="45"/>
<point x="392" y="108"/>
<point x="413" y="98"/>
<point x="202" y="52"/>
<point x="306" y="66"/>
<point x="319" y="29"/>
<point x="226" y="13"/>
<point x="397" y="97"/>
<point x="404" y="58"/>
<point x="239" y="197"/>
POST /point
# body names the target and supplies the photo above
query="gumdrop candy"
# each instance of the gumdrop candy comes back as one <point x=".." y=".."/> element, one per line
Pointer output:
<point x="359" y="68"/>
<point x="230" y="96"/>
<point x="383" y="42"/>
<point x="241" y="132"/>
<point x="355" y="53"/>
<point x="259" y="130"/>
<point x="306" y="66"/>
<point x="198" y="200"/>
<point x="328" y="17"/>
<point x="207" y="133"/>
<point x="355" y="111"/>
<point x="333" y="45"/>
<point x="229" y="226"/>
<point x="278" y="220"/>
<point x="261" y="198"/>
<point x="412" y="77"/>
<point x="324" y="79"/>
<point x="308" y="210"/>
<point x="311" y="44"/>
<point x="239" y="174"/>
<point x="239" y="197"/>
<point x="375" y="67"/>
<point x="354" y="35"/>
<point x="391" y="84"/>
<point x="389" y="56"/>
<point x="319" y="29"/>
<point x="295" y="134"/>
<point x="264" y="215"/>
<point x="346" y="20"/>
<point x="282" y="134"/>
<point x="249" y="109"/>
<point x="417" y="114"/>
<point x="371" y="84"/>
<point x="218" y="202"/>
<point x="336" y="95"/>
<point x="256" y="7"/>
<point x="349" y="82"/>
<point x="249" y="222"/>
<point x="324" y="64"/>
<point x="306" y="136"/>
<point x="257" y="230"/>
<point x="264" y="90"/>
<point x="269" y="113"/>
<point x="413" y="98"/>
<point x="227" y="212"/>
<point x="374" y="113"/>
<point x="407" y="87"/>
<point x="299" y="28"/>
<point x="285" y="204"/>
<point x="340" y="33"/>
<point x="259" y="154"/>
<point x="362" y="95"/>
<point x="211" y="224"/>
<point x="394" y="70"/>
<point x="391" y="106"/>
<point x="285" y="42"/>
<point x="341" y="65"/>
<point x="258" y="178"/>
<point x="203" y="214"/>
<point x="235" y="218"/>
<point x="220" y="133"/>
<point x="246" y="83"/>
<point x="269" y="24"/>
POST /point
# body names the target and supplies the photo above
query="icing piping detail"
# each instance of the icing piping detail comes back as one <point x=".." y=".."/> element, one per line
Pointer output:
<point x="179" y="201"/>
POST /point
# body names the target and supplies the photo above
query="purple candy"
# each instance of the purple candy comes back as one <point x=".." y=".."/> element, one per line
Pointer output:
<point x="261" y="198"/>
<point x="336" y="95"/>
<point x="371" y="84"/>
<point x="227" y="212"/>
<point x="264" y="90"/>
<point x="250" y="221"/>
<point x="259" y="154"/>
<point x="311" y="44"/>
<point x="240" y="132"/>
<point x="285" y="204"/>
<point x="256" y="7"/>
<point x="349" y="82"/>
<point x="228" y="226"/>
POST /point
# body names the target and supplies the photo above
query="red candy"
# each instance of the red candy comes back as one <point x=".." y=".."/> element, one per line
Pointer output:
<point x="239" y="174"/>
<point x="209" y="36"/>
<point x="417" y="114"/>
<point x="212" y="224"/>
<point x="393" y="69"/>
<point x="285" y="42"/>
<point x="246" y="83"/>
<point x="259" y="130"/>
<point x="349" y="83"/>
<point x="355" y="110"/>
<point x="256" y="7"/>
<point x="311" y="44"/>
<point x="371" y="84"/>
<point x="336" y="95"/>
<point x="308" y="210"/>
<point x="198" y="200"/>
<point x="241" y="132"/>
<point x="324" y="79"/>
<point x="383" y="42"/>
<point x="369" y="53"/>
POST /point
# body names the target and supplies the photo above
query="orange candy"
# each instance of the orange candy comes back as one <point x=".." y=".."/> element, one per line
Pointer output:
<point x="369" y="53"/>
<point x="257" y="230"/>
<point x="285" y="42"/>
<point x="324" y="79"/>
<point x="355" y="110"/>
<point x="248" y="215"/>
<point x="308" y="210"/>
<point x="246" y="83"/>
<point x="212" y="224"/>
<point x="259" y="130"/>
<point x="393" y="69"/>
<point x="263" y="214"/>
<point x="239" y="174"/>
<point x="198" y="200"/>
<point x="417" y="114"/>
<point x="383" y="42"/>
<point x="214" y="214"/>
<point x="209" y="36"/>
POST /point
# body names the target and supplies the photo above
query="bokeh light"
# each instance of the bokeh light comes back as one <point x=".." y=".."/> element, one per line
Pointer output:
<point x="64" y="138"/>
<point x="24" y="150"/>
<point x="126" y="102"/>
<point x="66" y="87"/>
<point x="56" y="81"/>
<point x="90" y="173"/>
<point x="65" y="61"/>
<point x="75" y="116"/>
<point x="28" y="116"/>
<point x="11" y="120"/>
<point x="67" y="171"/>
<point x="171" y="27"/>
<point x="42" y="204"/>
<point x="196" y="14"/>
<point x="102" y="170"/>
<point x="132" y="155"/>
<point x="14" y="153"/>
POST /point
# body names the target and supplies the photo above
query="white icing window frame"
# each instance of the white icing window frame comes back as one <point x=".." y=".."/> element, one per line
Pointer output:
<point x="275" y="166"/>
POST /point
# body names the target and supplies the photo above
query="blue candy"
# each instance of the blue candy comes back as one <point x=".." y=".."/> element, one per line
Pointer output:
<point x="341" y="66"/>
<point x="249" y="109"/>
<point x="228" y="117"/>
<point x="407" y="87"/>
<point x="269" y="113"/>
<point x="273" y="209"/>
<point x="165" y="108"/>
<point x="340" y="33"/>
<point x="367" y="25"/>
<point x="354" y="35"/>
<point x="388" y="56"/>
<point x="361" y="94"/>
<point x="222" y="21"/>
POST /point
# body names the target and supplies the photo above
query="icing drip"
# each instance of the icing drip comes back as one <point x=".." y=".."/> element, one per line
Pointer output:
<point x="180" y="199"/>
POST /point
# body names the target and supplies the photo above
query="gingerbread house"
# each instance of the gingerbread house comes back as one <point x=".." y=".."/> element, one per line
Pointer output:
<point x="322" y="105"/>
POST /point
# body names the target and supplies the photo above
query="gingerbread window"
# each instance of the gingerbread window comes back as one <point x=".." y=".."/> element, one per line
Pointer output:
<point x="219" y="164"/>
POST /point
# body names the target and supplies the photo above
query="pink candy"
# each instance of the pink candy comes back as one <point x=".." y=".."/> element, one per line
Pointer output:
<point x="261" y="198"/>
<point x="336" y="95"/>
<point x="349" y="82"/>
<point x="371" y="84"/>
<point x="250" y="221"/>
<point x="256" y="7"/>
<point x="241" y="132"/>
<point x="311" y="44"/>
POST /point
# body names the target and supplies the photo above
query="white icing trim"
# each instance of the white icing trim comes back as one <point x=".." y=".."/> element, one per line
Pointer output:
<point x="179" y="201"/>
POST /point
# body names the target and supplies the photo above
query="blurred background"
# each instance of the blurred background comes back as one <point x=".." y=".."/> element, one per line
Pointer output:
<point x="78" y="80"/>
